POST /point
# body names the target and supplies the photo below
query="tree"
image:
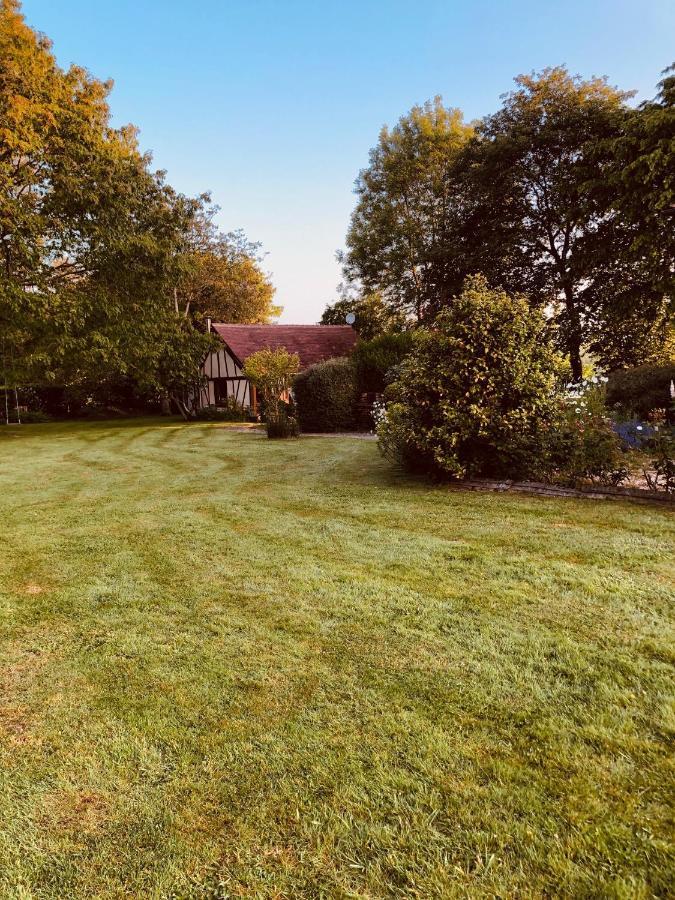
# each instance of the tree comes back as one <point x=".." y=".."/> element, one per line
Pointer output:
<point x="404" y="237"/>
<point x="372" y="316"/>
<point x="528" y="204"/>
<point x="476" y="395"/>
<point x="378" y="359"/>
<point x="91" y="240"/>
<point x="272" y="373"/>
<point x="634" y="189"/>
<point x="223" y="278"/>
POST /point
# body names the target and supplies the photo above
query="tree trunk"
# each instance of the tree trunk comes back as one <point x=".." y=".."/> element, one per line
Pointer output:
<point x="181" y="407"/>
<point x="574" y="334"/>
<point x="574" y="350"/>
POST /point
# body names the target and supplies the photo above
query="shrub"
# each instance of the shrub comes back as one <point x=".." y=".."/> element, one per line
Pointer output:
<point x="639" y="391"/>
<point x="326" y="395"/>
<point x="661" y="476"/>
<point x="283" y="426"/>
<point x="585" y="447"/>
<point x="230" y="412"/>
<point x="374" y="359"/>
<point x="476" y="395"/>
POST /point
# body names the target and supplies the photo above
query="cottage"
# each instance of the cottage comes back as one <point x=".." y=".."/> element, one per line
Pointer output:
<point x="224" y="369"/>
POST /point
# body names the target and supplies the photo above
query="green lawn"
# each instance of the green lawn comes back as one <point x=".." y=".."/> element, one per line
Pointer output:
<point x="236" y="667"/>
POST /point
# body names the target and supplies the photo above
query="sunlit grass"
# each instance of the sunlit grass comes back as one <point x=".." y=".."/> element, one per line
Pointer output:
<point x="237" y="667"/>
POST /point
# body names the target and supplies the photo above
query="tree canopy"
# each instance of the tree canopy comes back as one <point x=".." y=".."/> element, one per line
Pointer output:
<point x="372" y="315"/>
<point x="107" y="270"/>
<point x="564" y="194"/>
<point x="404" y="234"/>
<point x="223" y="276"/>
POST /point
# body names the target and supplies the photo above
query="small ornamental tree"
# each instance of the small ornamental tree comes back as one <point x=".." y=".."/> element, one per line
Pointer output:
<point x="476" y="396"/>
<point x="272" y="373"/>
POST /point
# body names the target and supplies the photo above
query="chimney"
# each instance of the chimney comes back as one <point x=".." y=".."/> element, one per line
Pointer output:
<point x="208" y="324"/>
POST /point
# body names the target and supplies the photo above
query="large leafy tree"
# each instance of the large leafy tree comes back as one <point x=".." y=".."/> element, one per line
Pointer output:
<point x="405" y="234"/>
<point x="373" y="316"/>
<point x="223" y="276"/>
<point x="634" y="191"/>
<point x="91" y="240"/>
<point x="528" y="200"/>
<point x="565" y="194"/>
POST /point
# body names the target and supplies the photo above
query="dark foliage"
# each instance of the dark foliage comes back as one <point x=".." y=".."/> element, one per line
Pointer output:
<point x="585" y="448"/>
<point x="326" y="395"/>
<point x="282" y="425"/>
<point x="231" y="412"/>
<point x="373" y="359"/>
<point x="639" y="391"/>
<point x="661" y="474"/>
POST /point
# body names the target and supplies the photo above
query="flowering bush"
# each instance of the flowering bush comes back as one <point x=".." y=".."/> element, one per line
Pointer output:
<point x="476" y="394"/>
<point x="378" y="413"/>
<point x="587" y="396"/>
<point x="585" y="446"/>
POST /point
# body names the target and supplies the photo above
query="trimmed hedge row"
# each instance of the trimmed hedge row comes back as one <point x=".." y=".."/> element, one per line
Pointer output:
<point x="326" y="395"/>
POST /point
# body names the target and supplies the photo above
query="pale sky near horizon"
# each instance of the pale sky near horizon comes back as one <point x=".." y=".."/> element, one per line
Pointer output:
<point x="273" y="106"/>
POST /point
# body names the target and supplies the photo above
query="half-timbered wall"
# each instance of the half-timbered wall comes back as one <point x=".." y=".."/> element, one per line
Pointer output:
<point x="225" y="379"/>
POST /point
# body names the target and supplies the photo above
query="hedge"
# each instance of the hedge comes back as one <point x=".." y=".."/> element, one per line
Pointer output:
<point x="373" y="359"/>
<point x="638" y="391"/>
<point x="325" y="396"/>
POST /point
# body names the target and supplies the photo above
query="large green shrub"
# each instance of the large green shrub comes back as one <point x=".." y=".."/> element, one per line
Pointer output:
<point x="638" y="391"/>
<point x="373" y="359"/>
<point x="326" y="395"/>
<point x="476" y="395"/>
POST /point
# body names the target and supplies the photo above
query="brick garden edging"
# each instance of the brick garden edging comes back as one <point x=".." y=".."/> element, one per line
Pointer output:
<point x="554" y="490"/>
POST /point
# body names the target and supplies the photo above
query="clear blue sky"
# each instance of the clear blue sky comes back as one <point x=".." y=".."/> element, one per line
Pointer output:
<point x="273" y="105"/>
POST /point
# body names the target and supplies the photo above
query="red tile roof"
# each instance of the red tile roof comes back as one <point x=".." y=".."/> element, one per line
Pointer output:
<point x="312" y="343"/>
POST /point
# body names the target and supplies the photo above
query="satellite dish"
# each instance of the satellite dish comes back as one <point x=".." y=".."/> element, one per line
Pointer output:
<point x="350" y="318"/>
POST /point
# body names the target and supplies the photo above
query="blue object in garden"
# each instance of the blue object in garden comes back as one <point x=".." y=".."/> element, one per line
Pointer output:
<point x="634" y="433"/>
